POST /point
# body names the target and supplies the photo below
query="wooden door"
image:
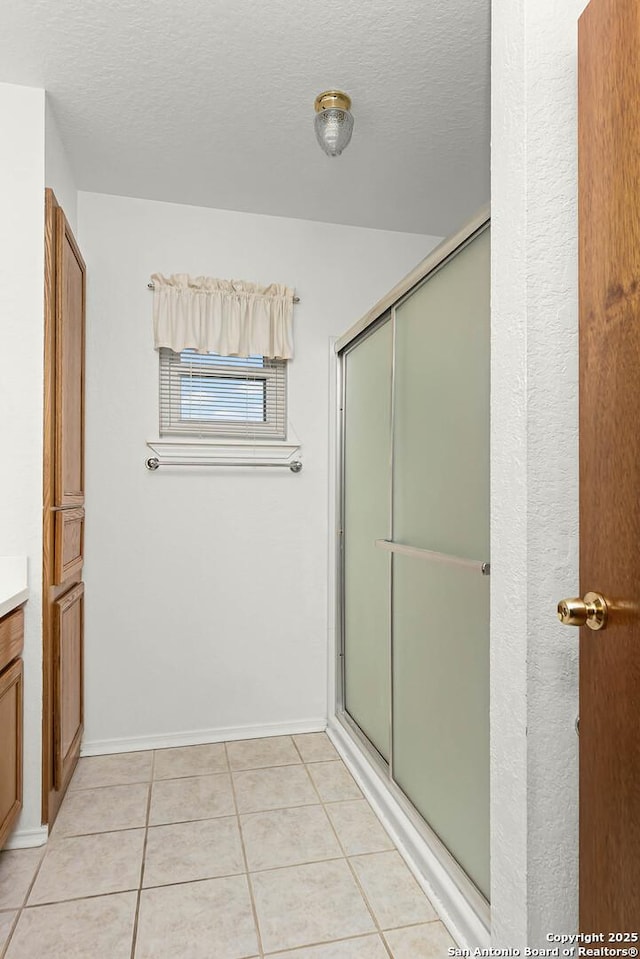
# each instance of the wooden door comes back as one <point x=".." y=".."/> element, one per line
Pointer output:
<point x="68" y="681"/>
<point x="609" y="248"/>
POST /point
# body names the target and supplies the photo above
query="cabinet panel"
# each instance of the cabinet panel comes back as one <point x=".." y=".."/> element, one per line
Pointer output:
<point x="69" y="367"/>
<point x="68" y="706"/>
<point x="68" y="544"/>
<point x="10" y="747"/>
<point x="11" y="637"/>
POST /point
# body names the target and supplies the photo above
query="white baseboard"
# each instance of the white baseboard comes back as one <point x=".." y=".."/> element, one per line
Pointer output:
<point x="27" y="838"/>
<point x="196" y="737"/>
<point x="468" y="927"/>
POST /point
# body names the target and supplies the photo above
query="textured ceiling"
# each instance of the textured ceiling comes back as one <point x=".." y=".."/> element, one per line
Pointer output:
<point x="210" y="102"/>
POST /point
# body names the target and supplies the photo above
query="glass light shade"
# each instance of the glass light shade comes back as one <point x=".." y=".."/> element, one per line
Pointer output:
<point x="333" y="130"/>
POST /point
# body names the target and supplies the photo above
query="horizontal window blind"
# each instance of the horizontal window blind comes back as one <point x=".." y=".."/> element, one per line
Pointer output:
<point x="208" y="395"/>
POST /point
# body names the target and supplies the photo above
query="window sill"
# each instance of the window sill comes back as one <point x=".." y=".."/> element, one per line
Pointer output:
<point x="224" y="452"/>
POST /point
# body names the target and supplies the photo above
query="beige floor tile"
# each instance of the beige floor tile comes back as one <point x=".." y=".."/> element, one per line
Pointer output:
<point x="190" y="761"/>
<point x="284" y="837"/>
<point x="334" y="781"/>
<point x="102" y="810"/>
<point x="195" y="902"/>
<point x="274" y="788"/>
<point x="430" y="941"/>
<point x="198" y="920"/>
<point x="367" y="947"/>
<point x="6" y="924"/>
<point x="116" y="770"/>
<point x="100" y="928"/>
<point x="193" y="850"/>
<point x="315" y="747"/>
<point x="89" y="866"/>
<point x="258" y="753"/>
<point x="17" y="869"/>
<point x="393" y="893"/>
<point x="358" y="827"/>
<point x="303" y="905"/>
<point x="199" y="797"/>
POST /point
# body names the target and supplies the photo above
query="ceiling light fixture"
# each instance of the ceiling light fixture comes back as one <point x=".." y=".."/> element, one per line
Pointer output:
<point x="333" y="123"/>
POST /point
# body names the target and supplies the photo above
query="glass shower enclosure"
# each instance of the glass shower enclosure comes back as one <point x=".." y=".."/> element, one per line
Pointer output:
<point x="414" y="559"/>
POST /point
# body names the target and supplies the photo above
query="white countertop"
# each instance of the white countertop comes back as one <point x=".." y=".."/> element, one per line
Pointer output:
<point x="13" y="582"/>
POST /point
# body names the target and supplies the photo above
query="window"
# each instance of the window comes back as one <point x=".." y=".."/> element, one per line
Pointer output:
<point x="209" y="395"/>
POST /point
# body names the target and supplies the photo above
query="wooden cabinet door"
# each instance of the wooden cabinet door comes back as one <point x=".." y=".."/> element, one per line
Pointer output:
<point x="10" y="747"/>
<point x="69" y="367"/>
<point x="68" y="681"/>
<point x="68" y="545"/>
<point x="63" y="502"/>
<point x="11" y="637"/>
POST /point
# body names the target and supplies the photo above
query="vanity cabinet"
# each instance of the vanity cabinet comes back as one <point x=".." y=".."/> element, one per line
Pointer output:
<point x="11" y="698"/>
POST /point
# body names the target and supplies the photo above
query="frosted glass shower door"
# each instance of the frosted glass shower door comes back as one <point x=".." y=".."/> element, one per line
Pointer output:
<point x="440" y="623"/>
<point x="366" y="509"/>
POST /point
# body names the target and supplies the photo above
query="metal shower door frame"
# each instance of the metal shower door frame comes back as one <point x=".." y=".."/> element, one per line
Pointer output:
<point x="379" y="315"/>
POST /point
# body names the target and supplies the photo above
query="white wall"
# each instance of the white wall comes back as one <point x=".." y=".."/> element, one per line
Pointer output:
<point x="534" y="469"/>
<point x="206" y="604"/>
<point x="21" y="393"/>
<point x="58" y="172"/>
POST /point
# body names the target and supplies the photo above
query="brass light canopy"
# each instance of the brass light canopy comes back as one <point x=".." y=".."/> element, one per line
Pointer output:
<point x="332" y="99"/>
<point x="334" y="122"/>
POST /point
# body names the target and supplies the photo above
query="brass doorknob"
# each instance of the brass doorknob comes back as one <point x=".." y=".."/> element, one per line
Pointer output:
<point x="592" y="611"/>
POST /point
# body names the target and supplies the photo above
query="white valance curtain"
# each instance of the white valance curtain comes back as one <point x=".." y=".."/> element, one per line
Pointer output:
<point x="229" y="317"/>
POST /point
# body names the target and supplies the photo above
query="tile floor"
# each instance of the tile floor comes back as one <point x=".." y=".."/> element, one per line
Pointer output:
<point x="235" y="850"/>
